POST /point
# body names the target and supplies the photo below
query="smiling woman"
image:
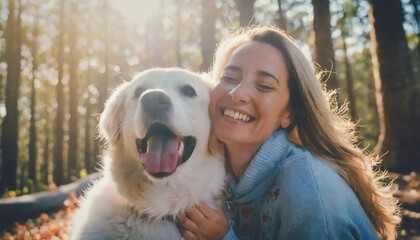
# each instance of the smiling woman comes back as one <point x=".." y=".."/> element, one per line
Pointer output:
<point x="295" y="171"/>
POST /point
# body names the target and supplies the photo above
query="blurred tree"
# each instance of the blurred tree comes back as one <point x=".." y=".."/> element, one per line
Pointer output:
<point x="178" y="33"/>
<point x="395" y="88"/>
<point x="88" y="105"/>
<point x="59" y="118"/>
<point x="154" y="46"/>
<point x="282" y="19"/>
<point x="9" y="137"/>
<point x="45" y="167"/>
<point x="208" y="33"/>
<point x="415" y="4"/>
<point x="72" y="168"/>
<point x="103" y="85"/>
<point x="348" y="71"/>
<point x="323" y="47"/>
<point x="246" y="12"/>
<point x="32" y="173"/>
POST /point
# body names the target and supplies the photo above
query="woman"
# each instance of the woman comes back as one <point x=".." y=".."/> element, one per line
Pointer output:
<point x="295" y="171"/>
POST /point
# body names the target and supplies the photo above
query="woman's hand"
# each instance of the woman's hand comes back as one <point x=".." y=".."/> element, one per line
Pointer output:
<point x="203" y="222"/>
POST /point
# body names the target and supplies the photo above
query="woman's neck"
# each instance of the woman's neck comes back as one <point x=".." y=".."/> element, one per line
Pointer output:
<point x="239" y="157"/>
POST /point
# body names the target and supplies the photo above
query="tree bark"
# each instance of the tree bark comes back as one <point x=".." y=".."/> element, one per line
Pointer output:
<point x="349" y="77"/>
<point x="178" y="34"/>
<point x="395" y="88"/>
<point x="323" y="49"/>
<point x="9" y="136"/>
<point x="59" y="120"/>
<point x="246" y="12"/>
<point x="154" y="47"/>
<point x="415" y="4"/>
<point x="32" y="173"/>
<point x="103" y="86"/>
<point x="88" y="105"/>
<point x="72" y="168"/>
<point x="282" y="19"/>
<point x="45" y="169"/>
<point x="208" y="33"/>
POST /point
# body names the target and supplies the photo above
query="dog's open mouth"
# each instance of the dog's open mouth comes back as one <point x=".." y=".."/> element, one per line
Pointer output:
<point x="161" y="151"/>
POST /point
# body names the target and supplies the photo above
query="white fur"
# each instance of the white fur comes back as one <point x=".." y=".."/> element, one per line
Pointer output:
<point x="126" y="203"/>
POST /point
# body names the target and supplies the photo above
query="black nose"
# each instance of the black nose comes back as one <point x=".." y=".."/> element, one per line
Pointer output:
<point x="155" y="102"/>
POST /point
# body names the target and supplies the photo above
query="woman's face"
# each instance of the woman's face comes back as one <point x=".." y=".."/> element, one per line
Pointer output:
<point x="250" y="100"/>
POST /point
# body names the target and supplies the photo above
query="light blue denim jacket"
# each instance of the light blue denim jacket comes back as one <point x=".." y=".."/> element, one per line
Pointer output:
<point x="287" y="193"/>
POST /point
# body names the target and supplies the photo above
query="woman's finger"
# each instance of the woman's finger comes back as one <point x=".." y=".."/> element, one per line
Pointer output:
<point x="195" y="215"/>
<point x="187" y="223"/>
<point x="206" y="210"/>
<point x="187" y="235"/>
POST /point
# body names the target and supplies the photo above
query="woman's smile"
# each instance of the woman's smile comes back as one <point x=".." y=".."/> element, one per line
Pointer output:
<point x="250" y="101"/>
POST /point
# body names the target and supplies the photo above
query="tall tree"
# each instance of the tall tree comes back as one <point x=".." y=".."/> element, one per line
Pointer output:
<point x="415" y="4"/>
<point x="87" y="151"/>
<point x="59" y="118"/>
<point x="32" y="173"/>
<point x="178" y="33"/>
<point x="9" y="138"/>
<point x="154" y="46"/>
<point x="72" y="168"/>
<point x="208" y="33"/>
<point x="348" y="71"/>
<point x="282" y="19"/>
<point x="323" y="49"/>
<point x="395" y="88"/>
<point x="103" y="86"/>
<point x="45" y="167"/>
<point x="246" y="12"/>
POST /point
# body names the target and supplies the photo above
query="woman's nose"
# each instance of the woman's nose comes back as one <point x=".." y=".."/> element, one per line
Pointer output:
<point x="241" y="93"/>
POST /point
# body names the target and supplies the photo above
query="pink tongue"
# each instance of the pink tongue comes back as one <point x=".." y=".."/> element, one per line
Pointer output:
<point x="162" y="154"/>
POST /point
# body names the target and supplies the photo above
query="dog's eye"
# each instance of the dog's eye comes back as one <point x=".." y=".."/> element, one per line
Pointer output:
<point x="138" y="92"/>
<point x="188" y="91"/>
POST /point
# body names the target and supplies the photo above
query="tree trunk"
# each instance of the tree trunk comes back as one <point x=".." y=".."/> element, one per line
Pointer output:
<point x="103" y="86"/>
<point x="9" y="136"/>
<point x="349" y="79"/>
<point x="46" y="155"/>
<point x="208" y="33"/>
<point x="246" y="12"/>
<point x="395" y="88"/>
<point x="323" y="49"/>
<point x="282" y="19"/>
<point x="415" y="4"/>
<point x="72" y="168"/>
<point x="154" y="46"/>
<point x="88" y="105"/>
<point x="59" y="131"/>
<point x="178" y="34"/>
<point x="32" y="174"/>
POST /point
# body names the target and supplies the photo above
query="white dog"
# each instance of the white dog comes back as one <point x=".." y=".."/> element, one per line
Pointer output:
<point x="157" y="161"/>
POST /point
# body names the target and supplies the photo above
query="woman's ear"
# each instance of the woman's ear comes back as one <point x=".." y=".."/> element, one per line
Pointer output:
<point x="112" y="116"/>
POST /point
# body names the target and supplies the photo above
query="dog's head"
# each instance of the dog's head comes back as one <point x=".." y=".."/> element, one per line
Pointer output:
<point x="160" y="118"/>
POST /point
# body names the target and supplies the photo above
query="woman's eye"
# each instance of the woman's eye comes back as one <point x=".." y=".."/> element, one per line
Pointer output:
<point x="264" y="88"/>
<point x="229" y="79"/>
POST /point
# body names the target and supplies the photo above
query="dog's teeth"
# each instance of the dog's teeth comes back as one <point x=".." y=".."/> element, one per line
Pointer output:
<point x="181" y="147"/>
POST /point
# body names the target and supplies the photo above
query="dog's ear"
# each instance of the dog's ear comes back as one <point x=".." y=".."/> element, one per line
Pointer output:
<point x="112" y="116"/>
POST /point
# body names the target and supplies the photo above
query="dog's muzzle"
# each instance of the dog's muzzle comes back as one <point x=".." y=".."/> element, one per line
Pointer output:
<point x="161" y="151"/>
<point x="156" y="104"/>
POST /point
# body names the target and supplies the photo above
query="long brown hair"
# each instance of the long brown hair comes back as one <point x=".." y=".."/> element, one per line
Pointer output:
<point x="320" y="127"/>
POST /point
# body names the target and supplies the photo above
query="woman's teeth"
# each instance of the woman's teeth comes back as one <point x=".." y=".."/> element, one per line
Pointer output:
<point x="236" y="115"/>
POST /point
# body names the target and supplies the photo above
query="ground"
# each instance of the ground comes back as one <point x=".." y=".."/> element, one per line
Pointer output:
<point x="55" y="226"/>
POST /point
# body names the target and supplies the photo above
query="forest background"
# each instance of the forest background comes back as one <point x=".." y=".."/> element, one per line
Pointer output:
<point x="59" y="60"/>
